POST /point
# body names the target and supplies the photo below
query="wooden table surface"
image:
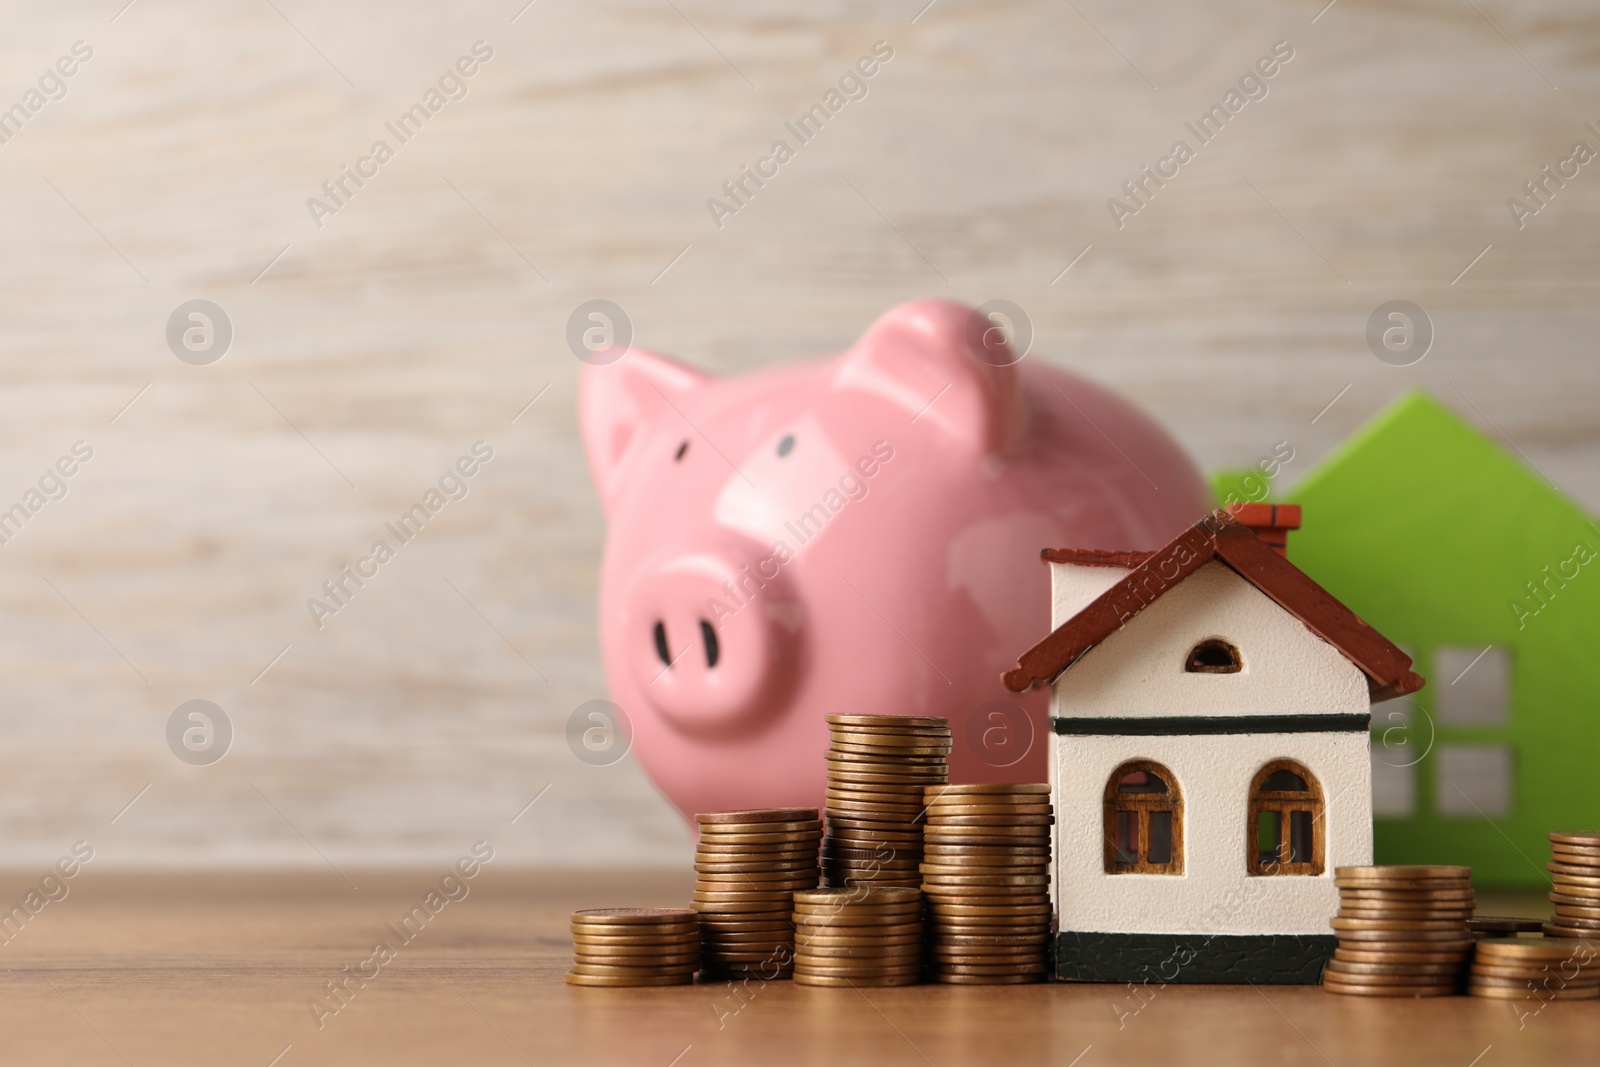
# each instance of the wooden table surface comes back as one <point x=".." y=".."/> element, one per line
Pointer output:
<point x="221" y="969"/>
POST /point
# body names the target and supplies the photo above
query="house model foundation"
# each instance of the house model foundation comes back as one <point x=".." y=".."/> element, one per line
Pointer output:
<point x="1209" y="754"/>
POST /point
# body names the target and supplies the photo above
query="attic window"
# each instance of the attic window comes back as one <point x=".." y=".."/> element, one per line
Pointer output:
<point x="1213" y="656"/>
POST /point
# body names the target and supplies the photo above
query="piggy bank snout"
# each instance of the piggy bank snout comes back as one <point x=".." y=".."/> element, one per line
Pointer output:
<point x="706" y="642"/>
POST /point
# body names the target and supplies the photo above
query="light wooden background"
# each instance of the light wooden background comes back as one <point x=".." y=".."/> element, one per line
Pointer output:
<point x="432" y="309"/>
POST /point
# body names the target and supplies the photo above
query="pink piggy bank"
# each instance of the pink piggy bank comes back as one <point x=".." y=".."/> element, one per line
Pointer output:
<point x="858" y="534"/>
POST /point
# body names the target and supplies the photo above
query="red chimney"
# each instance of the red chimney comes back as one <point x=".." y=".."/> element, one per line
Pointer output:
<point x="1270" y="522"/>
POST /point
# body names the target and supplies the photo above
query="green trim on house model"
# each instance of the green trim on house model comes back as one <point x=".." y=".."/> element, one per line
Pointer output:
<point x="1160" y="959"/>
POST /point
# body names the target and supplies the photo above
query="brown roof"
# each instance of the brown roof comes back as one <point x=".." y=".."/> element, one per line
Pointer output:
<point x="1095" y="557"/>
<point x="1221" y="538"/>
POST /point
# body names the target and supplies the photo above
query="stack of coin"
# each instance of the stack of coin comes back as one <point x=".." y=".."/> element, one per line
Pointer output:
<point x="861" y="936"/>
<point x="634" y="946"/>
<point x="877" y="768"/>
<point x="747" y="866"/>
<point x="1511" y="968"/>
<point x="985" y="876"/>
<point x="1402" y="931"/>
<point x="1575" y="885"/>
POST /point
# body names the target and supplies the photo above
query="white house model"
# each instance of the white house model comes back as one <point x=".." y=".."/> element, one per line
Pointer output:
<point x="1209" y="757"/>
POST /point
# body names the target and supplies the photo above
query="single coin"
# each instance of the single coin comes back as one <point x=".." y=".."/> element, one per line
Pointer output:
<point x="822" y="946"/>
<point x="1408" y="980"/>
<point x="1455" y="957"/>
<point x="1512" y="993"/>
<point x="635" y="932"/>
<point x="878" y="934"/>
<point x="979" y="932"/>
<point x="826" y="954"/>
<point x="1405" y="896"/>
<point x="1457" y="925"/>
<point x="906" y="721"/>
<point x="673" y="964"/>
<point x="1591" y="838"/>
<point x="843" y="778"/>
<point x="856" y="983"/>
<point x="956" y="911"/>
<point x="779" y="901"/>
<point x="865" y="757"/>
<point x="947" y="875"/>
<point x="834" y="896"/>
<point x="992" y="954"/>
<point x="857" y="969"/>
<point x="1550" y="974"/>
<point x="605" y="970"/>
<point x="614" y="981"/>
<point x="771" y="910"/>
<point x="988" y="788"/>
<point x="993" y="969"/>
<point x="592" y="949"/>
<point x="1334" y="985"/>
<point x="1573" y="922"/>
<point x="940" y="811"/>
<point x="752" y="815"/>
<point x="891" y="746"/>
<point x="1403" y="872"/>
<point x="632" y="916"/>
<point x="1579" y="869"/>
<point x="1576" y="911"/>
<point x="854" y="916"/>
<point x="1528" y="948"/>
<point x="986" y="979"/>
<point x="1455" y="934"/>
<point x="797" y="838"/>
<point x="897" y="926"/>
<point x="1541" y="982"/>
<point x="1458" y="917"/>
<point x="1010" y="823"/>
<point x="756" y="866"/>
<point x="1407" y="969"/>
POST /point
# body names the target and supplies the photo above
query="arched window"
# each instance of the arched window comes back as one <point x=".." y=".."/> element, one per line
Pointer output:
<point x="1213" y="656"/>
<point x="1286" y="821"/>
<point x="1144" y="820"/>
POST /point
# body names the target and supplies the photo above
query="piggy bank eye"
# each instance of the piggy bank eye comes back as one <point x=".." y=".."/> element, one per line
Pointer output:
<point x="681" y="450"/>
<point x="786" y="445"/>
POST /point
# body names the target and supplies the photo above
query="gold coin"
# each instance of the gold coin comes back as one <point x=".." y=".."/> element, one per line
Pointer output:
<point x="1389" y="991"/>
<point x="691" y="961"/>
<point x="752" y="815"/>
<point x="1454" y="957"/>
<point x="1551" y="973"/>
<point x="877" y="932"/>
<point x="746" y="909"/>
<point x="618" y="982"/>
<point x="993" y="788"/>
<point x="796" y="838"/>
<point x="1510" y="993"/>
<point x="636" y="932"/>
<point x="632" y="916"/>
<point x="1591" y="839"/>
<point x="905" y="721"/>
<point x="605" y="970"/>
<point x="1406" y="896"/>
<point x="1456" y="925"/>
<point x="955" y="911"/>
<point x="857" y="969"/>
<point x="939" y="810"/>
<point x="856" y="983"/>
<point x="872" y="896"/>
<point x="1572" y="869"/>
<point x="963" y="875"/>
<point x="1403" y="872"/>
<point x="1407" y="969"/>
<point x="1330" y="976"/>
<point x="877" y="941"/>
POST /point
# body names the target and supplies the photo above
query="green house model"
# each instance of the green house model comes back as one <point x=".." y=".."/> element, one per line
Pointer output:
<point x="1473" y="563"/>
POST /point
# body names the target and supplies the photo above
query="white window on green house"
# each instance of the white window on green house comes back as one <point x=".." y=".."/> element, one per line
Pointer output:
<point x="1472" y="686"/>
<point x="1473" y="781"/>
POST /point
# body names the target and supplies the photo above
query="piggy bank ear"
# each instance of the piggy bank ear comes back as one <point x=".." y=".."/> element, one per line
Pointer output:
<point x="621" y="406"/>
<point x="940" y="363"/>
